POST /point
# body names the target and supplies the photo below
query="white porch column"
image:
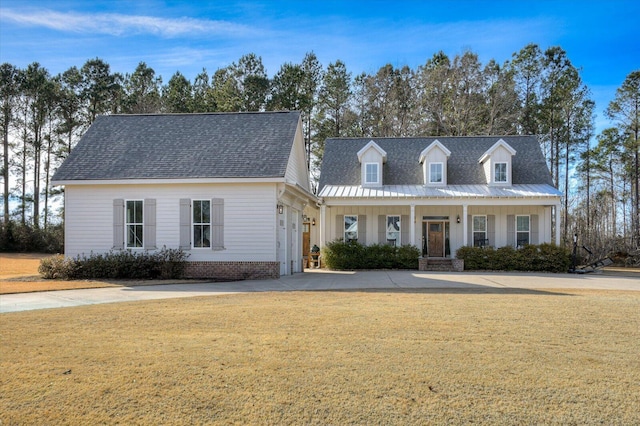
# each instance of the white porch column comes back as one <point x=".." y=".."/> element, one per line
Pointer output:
<point x="323" y="223"/>
<point x="465" y="223"/>
<point x="412" y="225"/>
<point x="557" y="209"/>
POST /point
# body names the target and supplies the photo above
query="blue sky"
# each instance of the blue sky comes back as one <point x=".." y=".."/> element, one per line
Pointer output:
<point x="600" y="37"/>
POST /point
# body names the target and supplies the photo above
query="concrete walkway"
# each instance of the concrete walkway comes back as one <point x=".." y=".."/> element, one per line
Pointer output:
<point x="321" y="280"/>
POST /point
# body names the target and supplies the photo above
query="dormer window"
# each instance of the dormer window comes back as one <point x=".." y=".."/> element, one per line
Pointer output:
<point x="496" y="163"/>
<point x="371" y="158"/>
<point x="434" y="163"/>
<point x="500" y="173"/>
<point x="371" y="174"/>
<point x="435" y="172"/>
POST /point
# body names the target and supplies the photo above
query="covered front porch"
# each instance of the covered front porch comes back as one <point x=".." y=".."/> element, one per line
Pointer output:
<point x="439" y="226"/>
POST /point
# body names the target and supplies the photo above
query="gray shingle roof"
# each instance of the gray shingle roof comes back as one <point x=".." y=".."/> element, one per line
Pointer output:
<point x="340" y="164"/>
<point x="178" y="146"/>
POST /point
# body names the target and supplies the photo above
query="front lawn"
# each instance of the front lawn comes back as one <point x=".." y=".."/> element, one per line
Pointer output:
<point x="435" y="357"/>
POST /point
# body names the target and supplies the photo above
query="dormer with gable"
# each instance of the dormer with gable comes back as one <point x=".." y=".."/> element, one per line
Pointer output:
<point x="371" y="158"/>
<point x="434" y="164"/>
<point x="497" y="164"/>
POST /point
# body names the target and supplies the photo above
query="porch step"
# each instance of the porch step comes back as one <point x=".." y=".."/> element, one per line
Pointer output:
<point x="440" y="265"/>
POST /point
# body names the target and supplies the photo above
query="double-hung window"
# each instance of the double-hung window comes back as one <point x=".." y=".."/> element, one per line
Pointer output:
<point x="393" y="230"/>
<point x="480" y="231"/>
<point x="134" y="223"/>
<point x="435" y="172"/>
<point x="500" y="173"/>
<point x="350" y="228"/>
<point x="371" y="174"/>
<point x="523" y="236"/>
<point x="201" y="223"/>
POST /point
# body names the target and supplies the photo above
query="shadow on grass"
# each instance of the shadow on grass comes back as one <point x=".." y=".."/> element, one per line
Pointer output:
<point x="454" y="290"/>
<point x="369" y="281"/>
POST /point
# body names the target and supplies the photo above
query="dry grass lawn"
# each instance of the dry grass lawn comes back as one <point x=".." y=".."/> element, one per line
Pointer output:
<point x="328" y="358"/>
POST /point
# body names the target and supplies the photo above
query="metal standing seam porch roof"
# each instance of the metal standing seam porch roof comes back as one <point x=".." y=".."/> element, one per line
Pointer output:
<point x="450" y="191"/>
<point x="183" y="146"/>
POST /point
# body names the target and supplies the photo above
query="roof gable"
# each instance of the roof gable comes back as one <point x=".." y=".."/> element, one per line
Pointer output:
<point x="434" y="144"/>
<point x="375" y="146"/>
<point x="183" y="146"/>
<point x="494" y="147"/>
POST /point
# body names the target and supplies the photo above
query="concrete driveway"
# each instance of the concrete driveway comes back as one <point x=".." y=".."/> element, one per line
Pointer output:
<point x="321" y="280"/>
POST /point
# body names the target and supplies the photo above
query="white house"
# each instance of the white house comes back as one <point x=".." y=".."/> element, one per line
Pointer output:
<point x="437" y="193"/>
<point x="228" y="188"/>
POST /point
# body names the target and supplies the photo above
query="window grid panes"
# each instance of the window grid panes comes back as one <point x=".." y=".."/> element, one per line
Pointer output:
<point x="201" y="223"/>
<point x="393" y="230"/>
<point x="134" y="223"/>
<point x="522" y="230"/>
<point x="351" y="228"/>
<point x="435" y="172"/>
<point x="501" y="172"/>
<point x="480" y="231"/>
<point x="371" y="173"/>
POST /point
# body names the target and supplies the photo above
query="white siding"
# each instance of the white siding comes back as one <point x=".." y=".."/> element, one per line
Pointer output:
<point x="501" y="155"/>
<point x="486" y="166"/>
<point x="372" y="213"/>
<point x="501" y="213"/>
<point x="249" y="217"/>
<point x="297" y="165"/>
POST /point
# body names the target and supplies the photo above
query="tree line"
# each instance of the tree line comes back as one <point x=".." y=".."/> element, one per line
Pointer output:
<point x="535" y="92"/>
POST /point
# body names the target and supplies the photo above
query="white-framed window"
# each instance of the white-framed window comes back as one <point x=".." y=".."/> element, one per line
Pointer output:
<point x="393" y="230"/>
<point x="523" y="230"/>
<point x="480" y="231"/>
<point x="435" y="172"/>
<point x="371" y="175"/>
<point x="350" y="228"/>
<point x="201" y="210"/>
<point x="500" y="173"/>
<point x="134" y="223"/>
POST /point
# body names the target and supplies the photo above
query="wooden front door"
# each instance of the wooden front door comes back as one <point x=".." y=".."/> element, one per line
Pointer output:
<point x="436" y="239"/>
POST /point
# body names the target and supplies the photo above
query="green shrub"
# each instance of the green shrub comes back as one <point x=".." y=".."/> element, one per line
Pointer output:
<point x="542" y="257"/>
<point x="407" y="257"/>
<point x="342" y="255"/>
<point x="164" y="264"/>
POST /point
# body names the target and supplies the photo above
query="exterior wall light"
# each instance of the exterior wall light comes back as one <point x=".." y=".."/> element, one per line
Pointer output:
<point x="280" y="208"/>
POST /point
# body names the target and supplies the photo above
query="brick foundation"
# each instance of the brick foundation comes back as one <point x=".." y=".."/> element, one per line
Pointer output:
<point x="233" y="270"/>
<point x="426" y="264"/>
<point x="458" y="264"/>
<point x="422" y="263"/>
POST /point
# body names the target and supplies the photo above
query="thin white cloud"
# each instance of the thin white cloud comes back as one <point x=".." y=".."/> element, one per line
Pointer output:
<point x="116" y="24"/>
